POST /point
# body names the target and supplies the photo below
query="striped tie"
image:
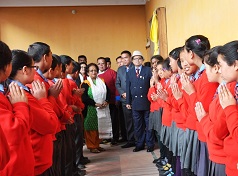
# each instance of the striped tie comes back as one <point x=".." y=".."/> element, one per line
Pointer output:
<point x="137" y="72"/>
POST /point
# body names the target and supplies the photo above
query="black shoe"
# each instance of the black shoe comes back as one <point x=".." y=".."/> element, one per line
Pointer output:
<point x="137" y="149"/>
<point x="81" y="166"/>
<point x="128" y="145"/>
<point x="114" y="142"/>
<point x="161" y="163"/>
<point x="80" y="172"/>
<point x="84" y="157"/>
<point x="150" y="149"/>
<point x="84" y="161"/>
<point x="167" y="173"/>
<point x="122" y="140"/>
<point x="157" y="160"/>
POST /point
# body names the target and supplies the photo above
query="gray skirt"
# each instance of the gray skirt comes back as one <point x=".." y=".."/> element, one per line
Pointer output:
<point x="173" y="143"/>
<point x="190" y="152"/>
<point x="181" y="136"/>
<point x="203" y="164"/>
<point x="155" y="121"/>
<point x="165" y="135"/>
<point x="216" y="169"/>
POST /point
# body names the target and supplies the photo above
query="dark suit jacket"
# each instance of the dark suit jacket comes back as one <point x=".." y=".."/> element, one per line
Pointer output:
<point x="137" y="88"/>
<point x="121" y="80"/>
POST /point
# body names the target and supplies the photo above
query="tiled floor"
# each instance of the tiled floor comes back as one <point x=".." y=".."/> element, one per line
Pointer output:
<point x="116" y="161"/>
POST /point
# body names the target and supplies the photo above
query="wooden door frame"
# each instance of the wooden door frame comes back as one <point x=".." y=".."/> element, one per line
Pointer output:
<point x="162" y="32"/>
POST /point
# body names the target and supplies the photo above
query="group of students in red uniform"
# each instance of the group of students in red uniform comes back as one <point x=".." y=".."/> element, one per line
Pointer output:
<point x="195" y="93"/>
<point x="38" y="110"/>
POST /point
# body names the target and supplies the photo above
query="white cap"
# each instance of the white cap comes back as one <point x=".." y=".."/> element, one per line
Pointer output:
<point x="137" y="53"/>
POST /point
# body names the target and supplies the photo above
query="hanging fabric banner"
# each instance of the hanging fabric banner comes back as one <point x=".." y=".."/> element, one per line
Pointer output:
<point x="154" y="32"/>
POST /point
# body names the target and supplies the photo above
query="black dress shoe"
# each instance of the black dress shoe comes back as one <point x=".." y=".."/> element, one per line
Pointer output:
<point x="128" y="145"/>
<point x="84" y="161"/>
<point x="114" y="142"/>
<point x="137" y="149"/>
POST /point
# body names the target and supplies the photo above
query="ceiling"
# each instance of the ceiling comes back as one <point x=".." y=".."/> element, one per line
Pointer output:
<point x="36" y="3"/>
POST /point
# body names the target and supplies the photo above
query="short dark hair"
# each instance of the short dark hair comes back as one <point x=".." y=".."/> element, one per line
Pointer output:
<point x="55" y="61"/>
<point x="82" y="64"/>
<point x="37" y="50"/>
<point x="19" y="60"/>
<point x="90" y="65"/>
<point x="102" y="58"/>
<point x="166" y="65"/>
<point x="175" y="53"/>
<point x="229" y="52"/>
<point x="158" y="57"/>
<point x="210" y="57"/>
<point x="82" y="56"/>
<point x="65" y="59"/>
<point x="76" y="67"/>
<point x="5" y="55"/>
<point x="118" y="58"/>
<point x="108" y="59"/>
<point x="126" y="52"/>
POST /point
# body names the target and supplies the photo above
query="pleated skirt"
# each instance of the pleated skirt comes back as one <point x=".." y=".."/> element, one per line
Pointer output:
<point x="173" y="143"/>
<point x="180" y="136"/>
<point x="203" y="165"/>
<point x="216" y="169"/>
<point x="190" y="151"/>
<point x="155" y="120"/>
<point x="165" y="135"/>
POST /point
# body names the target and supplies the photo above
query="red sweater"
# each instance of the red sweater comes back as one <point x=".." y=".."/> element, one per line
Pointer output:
<point x="76" y="100"/>
<point x="215" y="123"/>
<point x="154" y="105"/>
<point x="204" y="94"/>
<point x="4" y="150"/>
<point x="43" y="126"/>
<point x="15" y="121"/>
<point x="167" y="109"/>
<point x="67" y="111"/>
<point x="109" y="77"/>
<point x="231" y="142"/>
<point x="177" y="109"/>
<point x="57" y="109"/>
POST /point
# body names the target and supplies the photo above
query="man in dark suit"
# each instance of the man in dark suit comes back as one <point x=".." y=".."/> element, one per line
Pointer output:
<point x="121" y="88"/>
<point x="137" y="86"/>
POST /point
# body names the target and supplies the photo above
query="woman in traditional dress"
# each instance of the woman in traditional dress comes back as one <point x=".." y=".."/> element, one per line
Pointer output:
<point x="97" y="122"/>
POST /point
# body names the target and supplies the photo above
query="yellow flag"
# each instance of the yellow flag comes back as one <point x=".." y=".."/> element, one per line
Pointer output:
<point x="154" y="32"/>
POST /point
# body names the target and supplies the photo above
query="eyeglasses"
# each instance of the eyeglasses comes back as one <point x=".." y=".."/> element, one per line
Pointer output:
<point x="83" y="67"/>
<point x="35" y="67"/>
<point x="138" y="58"/>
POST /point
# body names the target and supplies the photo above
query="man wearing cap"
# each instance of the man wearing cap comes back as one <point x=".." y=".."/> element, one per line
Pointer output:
<point x="137" y="86"/>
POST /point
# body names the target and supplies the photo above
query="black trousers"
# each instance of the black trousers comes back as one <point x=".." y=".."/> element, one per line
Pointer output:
<point x="129" y="124"/>
<point x="78" y="121"/>
<point x="57" y="153"/>
<point x="115" y="121"/>
<point x="122" y="126"/>
<point x="69" y="150"/>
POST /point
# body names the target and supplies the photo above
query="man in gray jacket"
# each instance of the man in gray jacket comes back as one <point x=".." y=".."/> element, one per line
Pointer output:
<point x="121" y="88"/>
